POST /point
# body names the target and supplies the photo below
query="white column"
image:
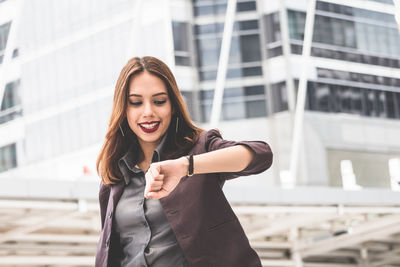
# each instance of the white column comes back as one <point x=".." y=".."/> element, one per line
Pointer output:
<point x="286" y="55"/>
<point x="223" y="63"/>
<point x="302" y="91"/>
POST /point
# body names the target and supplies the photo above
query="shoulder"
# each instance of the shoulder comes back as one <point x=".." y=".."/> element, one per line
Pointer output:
<point x="208" y="135"/>
<point x="204" y="140"/>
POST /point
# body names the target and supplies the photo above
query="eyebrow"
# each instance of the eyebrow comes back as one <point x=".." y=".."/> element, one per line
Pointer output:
<point x="162" y="93"/>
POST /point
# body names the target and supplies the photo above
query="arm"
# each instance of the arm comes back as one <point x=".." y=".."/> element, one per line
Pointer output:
<point x="230" y="159"/>
<point x="162" y="177"/>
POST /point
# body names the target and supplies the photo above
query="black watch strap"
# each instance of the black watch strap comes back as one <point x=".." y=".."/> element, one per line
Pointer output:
<point x="190" y="169"/>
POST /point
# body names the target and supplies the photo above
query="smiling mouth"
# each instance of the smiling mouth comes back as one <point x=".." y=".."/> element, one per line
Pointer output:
<point x="149" y="127"/>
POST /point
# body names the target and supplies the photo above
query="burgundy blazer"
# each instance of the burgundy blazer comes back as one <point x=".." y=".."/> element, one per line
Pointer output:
<point x="205" y="226"/>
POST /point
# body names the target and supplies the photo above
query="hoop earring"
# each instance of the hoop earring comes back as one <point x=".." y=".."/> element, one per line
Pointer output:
<point x="177" y="123"/>
<point x="122" y="132"/>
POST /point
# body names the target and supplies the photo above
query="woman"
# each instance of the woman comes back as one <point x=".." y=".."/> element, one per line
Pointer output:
<point x="161" y="199"/>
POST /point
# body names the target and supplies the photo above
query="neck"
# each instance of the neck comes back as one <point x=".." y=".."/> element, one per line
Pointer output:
<point x="148" y="150"/>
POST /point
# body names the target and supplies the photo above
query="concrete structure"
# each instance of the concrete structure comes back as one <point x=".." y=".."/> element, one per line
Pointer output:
<point x="59" y="62"/>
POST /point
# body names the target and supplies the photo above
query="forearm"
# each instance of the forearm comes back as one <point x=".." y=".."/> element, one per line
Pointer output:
<point x="230" y="159"/>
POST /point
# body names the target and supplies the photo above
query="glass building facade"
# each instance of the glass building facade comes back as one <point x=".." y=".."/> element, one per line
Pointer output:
<point x="71" y="63"/>
<point x="347" y="34"/>
<point x="342" y="35"/>
<point x="245" y="59"/>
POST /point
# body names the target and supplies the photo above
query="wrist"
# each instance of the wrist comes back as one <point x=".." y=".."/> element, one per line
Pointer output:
<point x="185" y="164"/>
<point x="191" y="165"/>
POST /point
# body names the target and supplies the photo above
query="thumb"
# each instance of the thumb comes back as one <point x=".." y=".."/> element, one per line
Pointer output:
<point x="154" y="169"/>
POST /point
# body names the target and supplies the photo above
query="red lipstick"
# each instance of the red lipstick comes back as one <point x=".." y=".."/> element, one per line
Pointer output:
<point x="155" y="125"/>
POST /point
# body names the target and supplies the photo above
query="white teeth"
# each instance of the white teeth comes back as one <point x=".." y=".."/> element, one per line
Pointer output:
<point x="149" y="126"/>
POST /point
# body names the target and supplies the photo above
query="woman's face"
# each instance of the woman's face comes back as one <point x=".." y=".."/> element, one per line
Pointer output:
<point x="149" y="108"/>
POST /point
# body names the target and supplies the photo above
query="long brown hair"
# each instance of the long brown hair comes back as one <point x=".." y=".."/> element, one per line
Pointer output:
<point x="115" y="144"/>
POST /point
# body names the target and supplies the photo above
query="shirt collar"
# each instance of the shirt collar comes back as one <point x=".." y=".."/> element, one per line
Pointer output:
<point x="127" y="158"/>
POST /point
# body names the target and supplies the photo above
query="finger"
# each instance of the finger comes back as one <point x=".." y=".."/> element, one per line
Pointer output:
<point x="146" y="191"/>
<point x="153" y="186"/>
<point x="147" y="187"/>
<point x="148" y="184"/>
<point x="157" y="195"/>
<point x="152" y="194"/>
<point x="156" y="184"/>
<point x="151" y="179"/>
<point x="156" y="187"/>
<point x="159" y="177"/>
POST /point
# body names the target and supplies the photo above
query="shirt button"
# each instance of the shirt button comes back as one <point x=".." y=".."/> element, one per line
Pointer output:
<point x="107" y="242"/>
<point x="146" y="250"/>
<point x="145" y="224"/>
<point x="110" y="214"/>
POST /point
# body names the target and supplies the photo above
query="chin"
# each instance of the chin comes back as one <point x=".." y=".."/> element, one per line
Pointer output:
<point x="150" y="139"/>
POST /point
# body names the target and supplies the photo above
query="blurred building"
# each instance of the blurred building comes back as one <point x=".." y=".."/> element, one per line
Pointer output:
<point x="59" y="61"/>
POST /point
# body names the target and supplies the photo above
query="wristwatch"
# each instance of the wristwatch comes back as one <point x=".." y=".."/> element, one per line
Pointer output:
<point x="190" y="169"/>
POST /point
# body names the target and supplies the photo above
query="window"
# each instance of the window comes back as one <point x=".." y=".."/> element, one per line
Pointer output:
<point x="11" y="104"/>
<point x="355" y="12"/>
<point x="272" y="27"/>
<point x="279" y="97"/>
<point x="244" y="55"/>
<point x="357" y="77"/>
<point x="208" y="51"/>
<point x="250" y="48"/>
<point x="11" y="97"/>
<point x="248" y="25"/>
<point x="238" y="103"/>
<point x="348" y="99"/>
<point x="8" y="157"/>
<point x="188" y="97"/>
<point x="327" y="95"/>
<point x="218" y="28"/>
<point x="219" y="7"/>
<point x="384" y="1"/>
<point x="181" y="43"/>
<point x="354" y="57"/>
<point x="246" y="6"/>
<point x="4" y="29"/>
<point x="374" y="39"/>
<point x="296" y="21"/>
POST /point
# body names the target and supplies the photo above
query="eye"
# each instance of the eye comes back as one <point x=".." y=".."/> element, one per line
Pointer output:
<point x="159" y="102"/>
<point x="135" y="103"/>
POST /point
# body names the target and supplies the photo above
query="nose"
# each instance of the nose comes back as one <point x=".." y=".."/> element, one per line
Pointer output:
<point x="148" y="109"/>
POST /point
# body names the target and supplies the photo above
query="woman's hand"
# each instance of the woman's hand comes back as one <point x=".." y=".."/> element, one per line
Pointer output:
<point x="162" y="177"/>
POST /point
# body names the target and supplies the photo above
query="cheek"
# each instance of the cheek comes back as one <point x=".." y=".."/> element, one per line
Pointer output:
<point x="167" y="113"/>
<point x="131" y="117"/>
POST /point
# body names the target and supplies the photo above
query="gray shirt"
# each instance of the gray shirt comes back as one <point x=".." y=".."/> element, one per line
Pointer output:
<point x="146" y="236"/>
